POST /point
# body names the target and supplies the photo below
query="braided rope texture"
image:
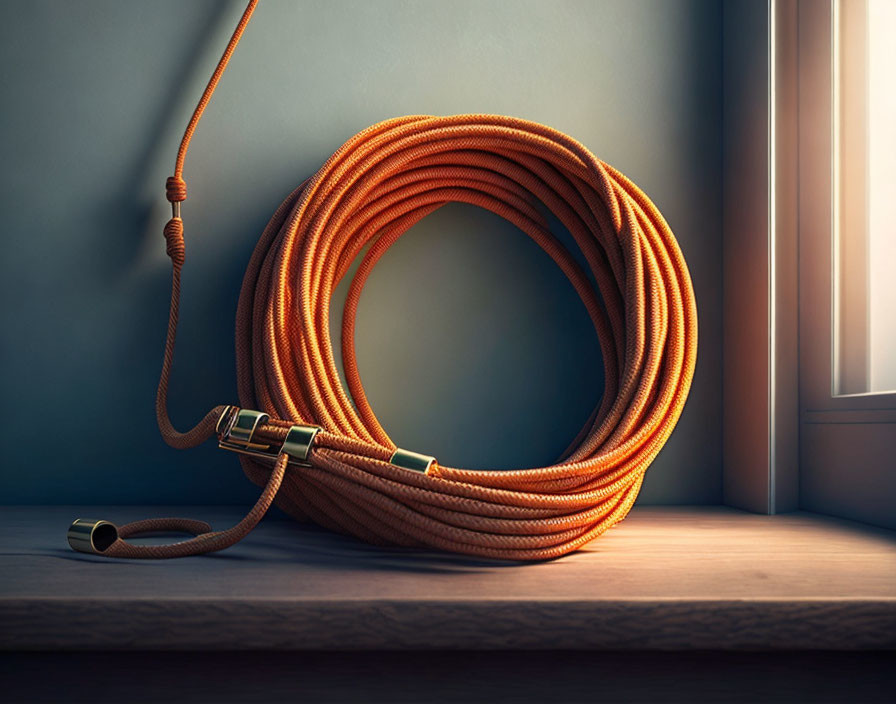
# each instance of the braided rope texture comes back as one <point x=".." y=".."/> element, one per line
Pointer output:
<point x="375" y="187"/>
<point x="636" y="289"/>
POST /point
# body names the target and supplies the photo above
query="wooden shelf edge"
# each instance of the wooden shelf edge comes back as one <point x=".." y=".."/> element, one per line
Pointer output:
<point x="643" y="624"/>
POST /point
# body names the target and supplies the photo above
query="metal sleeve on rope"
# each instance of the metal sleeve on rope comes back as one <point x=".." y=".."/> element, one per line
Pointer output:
<point x="412" y="460"/>
<point x="298" y="442"/>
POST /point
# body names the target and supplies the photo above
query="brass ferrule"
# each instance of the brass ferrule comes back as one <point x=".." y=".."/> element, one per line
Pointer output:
<point x="91" y="536"/>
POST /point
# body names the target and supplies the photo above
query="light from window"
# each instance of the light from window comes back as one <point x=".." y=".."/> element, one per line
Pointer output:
<point x="865" y="206"/>
<point x="882" y="193"/>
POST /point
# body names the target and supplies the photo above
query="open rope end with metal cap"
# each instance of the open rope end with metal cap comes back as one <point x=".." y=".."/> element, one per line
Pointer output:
<point x="317" y="447"/>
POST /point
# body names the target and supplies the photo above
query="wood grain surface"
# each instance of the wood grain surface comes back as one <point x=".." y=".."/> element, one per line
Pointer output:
<point x="667" y="578"/>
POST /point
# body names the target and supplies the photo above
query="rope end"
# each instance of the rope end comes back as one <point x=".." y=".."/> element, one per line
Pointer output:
<point x="90" y="536"/>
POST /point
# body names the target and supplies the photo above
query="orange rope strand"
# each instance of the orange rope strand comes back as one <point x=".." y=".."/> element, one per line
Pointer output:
<point x="370" y="192"/>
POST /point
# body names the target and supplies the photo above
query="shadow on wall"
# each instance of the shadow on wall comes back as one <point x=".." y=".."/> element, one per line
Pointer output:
<point x="130" y="201"/>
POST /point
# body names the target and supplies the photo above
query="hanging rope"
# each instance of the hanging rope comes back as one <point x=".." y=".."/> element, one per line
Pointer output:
<point x="352" y="478"/>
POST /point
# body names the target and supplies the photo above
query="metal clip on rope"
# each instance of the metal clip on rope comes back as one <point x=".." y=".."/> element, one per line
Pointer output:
<point x="318" y="447"/>
<point x="236" y="429"/>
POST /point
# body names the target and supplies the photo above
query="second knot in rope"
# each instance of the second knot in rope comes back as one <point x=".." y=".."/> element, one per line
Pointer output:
<point x="174" y="240"/>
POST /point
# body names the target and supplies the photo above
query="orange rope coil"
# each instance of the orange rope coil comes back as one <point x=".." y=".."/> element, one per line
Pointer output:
<point x="370" y="192"/>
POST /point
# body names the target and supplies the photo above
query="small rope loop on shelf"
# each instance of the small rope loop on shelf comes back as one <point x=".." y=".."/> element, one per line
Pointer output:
<point x="104" y="538"/>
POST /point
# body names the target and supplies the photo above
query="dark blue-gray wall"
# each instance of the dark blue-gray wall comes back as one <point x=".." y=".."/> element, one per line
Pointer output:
<point x="472" y="346"/>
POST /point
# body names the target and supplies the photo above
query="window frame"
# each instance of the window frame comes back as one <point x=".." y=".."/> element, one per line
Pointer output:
<point x="788" y="441"/>
<point x="819" y="212"/>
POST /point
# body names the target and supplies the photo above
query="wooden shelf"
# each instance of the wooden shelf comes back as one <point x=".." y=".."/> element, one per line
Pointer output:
<point x="667" y="578"/>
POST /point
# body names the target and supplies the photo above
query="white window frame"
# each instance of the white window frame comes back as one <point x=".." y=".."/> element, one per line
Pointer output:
<point x="790" y="442"/>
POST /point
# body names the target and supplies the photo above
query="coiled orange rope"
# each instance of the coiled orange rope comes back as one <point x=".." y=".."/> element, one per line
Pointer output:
<point x="375" y="187"/>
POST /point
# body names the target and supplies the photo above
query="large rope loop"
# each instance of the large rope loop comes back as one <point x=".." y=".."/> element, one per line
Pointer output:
<point x="636" y="290"/>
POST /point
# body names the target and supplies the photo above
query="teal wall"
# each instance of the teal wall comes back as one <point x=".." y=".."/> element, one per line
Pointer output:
<point x="472" y="346"/>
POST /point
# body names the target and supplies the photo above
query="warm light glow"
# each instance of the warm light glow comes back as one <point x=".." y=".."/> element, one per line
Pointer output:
<point x="864" y="152"/>
<point x="882" y="194"/>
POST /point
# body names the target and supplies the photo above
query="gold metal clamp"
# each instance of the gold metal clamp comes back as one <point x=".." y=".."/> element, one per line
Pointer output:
<point x="412" y="460"/>
<point x="91" y="536"/>
<point x="236" y="430"/>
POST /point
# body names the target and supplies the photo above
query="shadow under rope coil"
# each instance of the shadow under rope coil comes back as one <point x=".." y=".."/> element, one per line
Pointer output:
<point x="320" y="451"/>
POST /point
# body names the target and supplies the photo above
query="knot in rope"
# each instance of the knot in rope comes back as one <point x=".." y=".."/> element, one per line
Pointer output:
<point x="174" y="241"/>
<point x="175" y="189"/>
